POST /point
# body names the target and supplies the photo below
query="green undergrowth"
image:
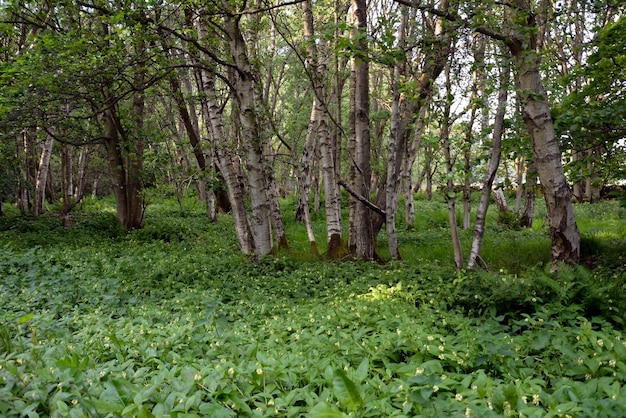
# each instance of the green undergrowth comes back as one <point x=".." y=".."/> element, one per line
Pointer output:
<point x="171" y="321"/>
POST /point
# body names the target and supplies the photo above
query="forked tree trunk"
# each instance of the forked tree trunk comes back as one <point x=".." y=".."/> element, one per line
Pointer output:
<point x="252" y="138"/>
<point x="228" y="164"/>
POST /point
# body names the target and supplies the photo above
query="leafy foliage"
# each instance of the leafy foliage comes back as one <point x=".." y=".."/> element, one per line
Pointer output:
<point x="173" y="321"/>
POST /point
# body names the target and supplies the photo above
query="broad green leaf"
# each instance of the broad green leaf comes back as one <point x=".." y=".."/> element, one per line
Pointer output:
<point x="25" y="318"/>
<point x="323" y="410"/>
<point x="362" y="370"/>
<point x="346" y="391"/>
<point x="215" y="410"/>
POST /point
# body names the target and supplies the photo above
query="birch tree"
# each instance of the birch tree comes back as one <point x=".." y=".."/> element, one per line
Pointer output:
<point x="364" y="239"/>
<point x="492" y="166"/>
<point x="519" y="34"/>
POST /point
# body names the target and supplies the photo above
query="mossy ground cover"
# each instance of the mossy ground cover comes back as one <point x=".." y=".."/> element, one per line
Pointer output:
<point x="171" y="321"/>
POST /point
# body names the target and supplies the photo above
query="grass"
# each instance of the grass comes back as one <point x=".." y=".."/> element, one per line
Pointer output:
<point x="171" y="321"/>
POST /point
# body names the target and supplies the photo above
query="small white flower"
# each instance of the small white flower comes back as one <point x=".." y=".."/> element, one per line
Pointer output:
<point x="458" y="397"/>
<point x="259" y="371"/>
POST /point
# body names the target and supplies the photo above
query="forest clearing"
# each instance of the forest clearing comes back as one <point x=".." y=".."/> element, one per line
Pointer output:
<point x="173" y="321"/>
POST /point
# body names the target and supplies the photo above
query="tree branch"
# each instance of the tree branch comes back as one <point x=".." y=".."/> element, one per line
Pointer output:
<point x="453" y="17"/>
<point x="362" y="199"/>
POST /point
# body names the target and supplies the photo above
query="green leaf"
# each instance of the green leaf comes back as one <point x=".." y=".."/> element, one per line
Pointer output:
<point x="323" y="410"/>
<point x="362" y="370"/>
<point x="25" y="318"/>
<point x="346" y="391"/>
<point x="215" y="410"/>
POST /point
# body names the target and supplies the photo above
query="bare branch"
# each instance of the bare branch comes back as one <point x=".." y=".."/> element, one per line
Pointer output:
<point x="466" y="23"/>
<point x="362" y="199"/>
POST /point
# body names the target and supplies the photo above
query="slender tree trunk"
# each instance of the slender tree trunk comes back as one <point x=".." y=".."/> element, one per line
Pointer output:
<point x="319" y="124"/>
<point x="42" y="175"/>
<point x="352" y="168"/>
<point x="308" y="151"/>
<point x="479" y="85"/>
<point x="519" y="178"/>
<point x="409" y="162"/>
<point x="498" y="195"/>
<point x="363" y="220"/>
<point x="430" y="171"/>
<point x="81" y="176"/>
<point x="450" y="196"/>
<point x="134" y="156"/>
<point x="578" y="188"/>
<point x="27" y="170"/>
<point x="202" y="80"/>
<point x="530" y="195"/>
<point x="492" y="167"/>
<point x="116" y="165"/>
<point x="395" y="148"/>
<point x="67" y="183"/>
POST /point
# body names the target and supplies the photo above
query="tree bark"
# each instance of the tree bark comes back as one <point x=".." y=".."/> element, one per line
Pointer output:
<point x="492" y="167"/>
<point x="363" y="220"/>
<point x="444" y="136"/>
<point x="395" y="148"/>
<point x="538" y="120"/>
<point x="252" y="138"/>
<point x="530" y="195"/>
<point x="42" y="175"/>
<point x="228" y="164"/>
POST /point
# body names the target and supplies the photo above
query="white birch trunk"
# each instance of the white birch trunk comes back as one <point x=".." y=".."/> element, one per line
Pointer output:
<point x="252" y="138"/>
<point x="318" y="125"/>
<point x="42" y="175"/>
<point x="546" y="153"/>
<point x="492" y="167"/>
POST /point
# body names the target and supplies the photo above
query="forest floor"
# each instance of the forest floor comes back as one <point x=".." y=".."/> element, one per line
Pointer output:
<point x="172" y="321"/>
